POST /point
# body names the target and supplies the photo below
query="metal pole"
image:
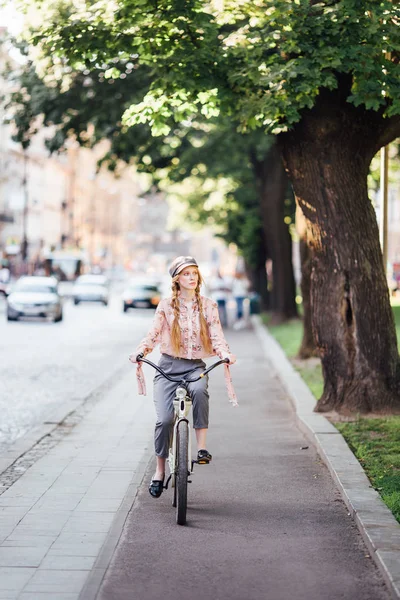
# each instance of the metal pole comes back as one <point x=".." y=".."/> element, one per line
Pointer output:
<point x="384" y="194"/>
<point x="71" y="198"/>
<point x="24" y="245"/>
<point x="383" y="225"/>
<point x="93" y="220"/>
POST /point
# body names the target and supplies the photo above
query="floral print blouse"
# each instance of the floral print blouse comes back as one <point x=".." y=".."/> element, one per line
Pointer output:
<point x="189" y="322"/>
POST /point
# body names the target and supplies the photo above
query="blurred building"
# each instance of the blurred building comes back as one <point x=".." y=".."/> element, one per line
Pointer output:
<point x="62" y="203"/>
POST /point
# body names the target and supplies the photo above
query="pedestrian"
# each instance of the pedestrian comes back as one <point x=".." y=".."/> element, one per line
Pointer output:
<point x="239" y="290"/>
<point x="187" y="327"/>
<point x="220" y="291"/>
<point x="5" y="274"/>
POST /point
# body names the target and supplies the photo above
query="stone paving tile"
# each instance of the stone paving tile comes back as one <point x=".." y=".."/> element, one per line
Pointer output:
<point x="77" y="549"/>
<point x="31" y="486"/>
<point x="47" y="596"/>
<point x="17" y="511"/>
<point x="5" y="531"/>
<point x="47" y="470"/>
<point x="22" y="556"/>
<point x="44" y="521"/>
<point x="73" y="482"/>
<point x="88" y="504"/>
<point x="381" y="515"/>
<point x="51" y="461"/>
<point x="9" y="520"/>
<point x="391" y="564"/>
<point x="319" y="423"/>
<point x="56" y="501"/>
<point x="358" y="479"/>
<point x="89" y="522"/>
<point x="61" y="561"/>
<point x="59" y="488"/>
<point x="80" y="473"/>
<point x="363" y="500"/>
<point x="47" y="580"/>
<point x="384" y="538"/>
<point x="103" y="490"/>
<point x="82" y="461"/>
<point x="78" y="544"/>
<point x="118" y="466"/>
<point x="14" y="579"/>
<point x="20" y="540"/>
<point x="7" y="499"/>
<point x="21" y="496"/>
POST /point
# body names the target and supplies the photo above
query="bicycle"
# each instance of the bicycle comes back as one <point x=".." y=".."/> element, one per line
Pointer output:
<point x="180" y="462"/>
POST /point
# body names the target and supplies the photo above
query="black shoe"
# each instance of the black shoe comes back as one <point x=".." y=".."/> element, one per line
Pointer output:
<point x="156" y="487"/>
<point x="203" y="457"/>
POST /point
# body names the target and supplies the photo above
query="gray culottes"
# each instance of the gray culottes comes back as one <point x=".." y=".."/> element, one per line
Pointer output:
<point x="164" y="395"/>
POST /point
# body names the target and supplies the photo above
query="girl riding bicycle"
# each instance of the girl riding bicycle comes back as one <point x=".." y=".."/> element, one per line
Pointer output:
<point x="188" y="328"/>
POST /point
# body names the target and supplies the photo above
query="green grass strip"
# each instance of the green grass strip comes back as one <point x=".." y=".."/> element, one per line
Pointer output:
<point x="376" y="444"/>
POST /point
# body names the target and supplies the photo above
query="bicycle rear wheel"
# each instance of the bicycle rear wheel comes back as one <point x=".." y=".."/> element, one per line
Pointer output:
<point x="181" y="481"/>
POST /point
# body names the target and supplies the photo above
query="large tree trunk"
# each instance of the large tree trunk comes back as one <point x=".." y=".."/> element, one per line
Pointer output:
<point x="327" y="156"/>
<point x="257" y="276"/>
<point x="273" y="185"/>
<point x="307" y="347"/>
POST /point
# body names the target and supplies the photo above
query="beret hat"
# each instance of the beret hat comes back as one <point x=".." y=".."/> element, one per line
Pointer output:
<point x="179" y="263"/>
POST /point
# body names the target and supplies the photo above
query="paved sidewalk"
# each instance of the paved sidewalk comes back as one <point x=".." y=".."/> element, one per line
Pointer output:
<point x="265" y="520"/>
<point x="56" y="518"/>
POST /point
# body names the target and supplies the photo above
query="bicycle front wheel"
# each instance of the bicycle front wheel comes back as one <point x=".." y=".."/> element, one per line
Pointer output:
<point x="181" y="481"/>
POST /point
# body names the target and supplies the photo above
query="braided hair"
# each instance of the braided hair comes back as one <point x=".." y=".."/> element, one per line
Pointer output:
<point x="176" y="330"/>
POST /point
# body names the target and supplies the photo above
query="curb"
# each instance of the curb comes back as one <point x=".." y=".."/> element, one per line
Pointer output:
<point x="377" y="525"/>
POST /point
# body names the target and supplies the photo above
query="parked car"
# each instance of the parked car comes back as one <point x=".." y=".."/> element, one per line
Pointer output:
<point x="141" y="295"/>
<point x="91" y="288"/>
<point x="35" y="297"/>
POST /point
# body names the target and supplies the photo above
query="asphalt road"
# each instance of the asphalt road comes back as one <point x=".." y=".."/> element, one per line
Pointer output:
<point x="265" y="521"/>
<point x="44" y="365"/>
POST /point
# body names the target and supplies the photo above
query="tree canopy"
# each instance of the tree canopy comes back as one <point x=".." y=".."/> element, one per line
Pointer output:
<point x="263" y="60"/>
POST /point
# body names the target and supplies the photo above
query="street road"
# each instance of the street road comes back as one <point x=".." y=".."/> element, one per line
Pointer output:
<point x="44" y="365"/>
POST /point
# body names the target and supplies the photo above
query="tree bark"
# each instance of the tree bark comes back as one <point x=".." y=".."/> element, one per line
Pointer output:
<point x="273" y="185"/>
<point x="327" y="156"/>
<point x="307" y="348"/>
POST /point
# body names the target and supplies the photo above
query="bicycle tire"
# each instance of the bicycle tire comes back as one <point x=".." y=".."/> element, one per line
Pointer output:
<point x="181" y="481"/>
<point x="174" y="496"/>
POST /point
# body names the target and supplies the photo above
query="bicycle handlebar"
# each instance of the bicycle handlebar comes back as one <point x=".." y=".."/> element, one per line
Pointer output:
<point x="140" y="358"/>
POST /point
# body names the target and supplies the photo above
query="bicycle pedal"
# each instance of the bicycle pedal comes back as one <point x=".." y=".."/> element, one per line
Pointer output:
<point x="203" y="462"/>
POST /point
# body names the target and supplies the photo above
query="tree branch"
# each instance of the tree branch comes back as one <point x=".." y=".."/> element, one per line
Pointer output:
<point x="389" y="131"/>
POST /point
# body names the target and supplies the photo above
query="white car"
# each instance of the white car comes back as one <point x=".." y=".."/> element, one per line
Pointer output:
<point x="91" y="288"/>
<point x="35" y="297"/>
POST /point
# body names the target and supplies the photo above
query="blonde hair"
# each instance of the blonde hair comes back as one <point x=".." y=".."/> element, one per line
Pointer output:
<point x="176" y="334"/>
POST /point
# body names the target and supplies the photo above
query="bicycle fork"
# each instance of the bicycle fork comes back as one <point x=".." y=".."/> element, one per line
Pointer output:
<point x="182" y="406"/>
